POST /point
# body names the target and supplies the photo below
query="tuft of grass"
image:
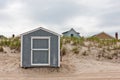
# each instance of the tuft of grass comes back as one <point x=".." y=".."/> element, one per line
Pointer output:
<point x="4" y="42"/>
<point x="99" y="56"/>
<point x="81" y="41"/>
<point x="116" y="47"/>
<point x="84" y="53"/>
<point x="63" y="51"/>
<point x="1" y="49"/>
<point x="115" y="54"/>
<point x="108" y="48"/>
<point x="61" y="42"/>
<point x="73" y="40"/>
<point x="75" y="50"/>
<point x="109" y="57"/>
<point x="103" y="50"/>
<point x="89" y="48"/>
<point x="77" y="41"/>
<point x="99" y="45"/>
<point x="67" y="40"/>
<point x="94" y="39"/>
<point x="13" y="43"/>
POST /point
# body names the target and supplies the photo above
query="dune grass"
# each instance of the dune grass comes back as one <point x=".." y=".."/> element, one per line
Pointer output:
<point x="75" y="50"/>
<point x="63" y="51"/>
<point x="1" y="49"/>
<point x="73" y="40"/>
<point x="13" y="43"/>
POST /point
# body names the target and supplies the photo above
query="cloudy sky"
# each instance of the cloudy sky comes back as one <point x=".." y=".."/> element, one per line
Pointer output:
<point x="86" y="16"/>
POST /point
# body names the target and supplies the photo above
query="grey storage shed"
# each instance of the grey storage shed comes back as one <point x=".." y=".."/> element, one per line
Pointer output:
<point x="40" y="47"/>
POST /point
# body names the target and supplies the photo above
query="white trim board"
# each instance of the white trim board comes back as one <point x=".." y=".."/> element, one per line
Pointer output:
<point x="21" y="52"/>
<point x="40" y="49"/>
<point x="41" y="29"/>
<point x="58" y="51"/>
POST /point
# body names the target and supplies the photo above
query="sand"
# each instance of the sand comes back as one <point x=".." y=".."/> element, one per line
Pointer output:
<point x="73" y="67"/>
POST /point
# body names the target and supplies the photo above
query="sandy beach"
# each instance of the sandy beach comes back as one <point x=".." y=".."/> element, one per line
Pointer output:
<point x="73" y="67"/>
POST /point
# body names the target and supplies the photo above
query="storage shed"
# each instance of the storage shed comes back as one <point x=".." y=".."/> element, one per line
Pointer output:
<point x="40" y="47"/>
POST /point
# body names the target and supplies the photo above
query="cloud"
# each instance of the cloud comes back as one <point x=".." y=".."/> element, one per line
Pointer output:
<point x="85" y="16"/>
<point x="3" y="3"/>
<point x="53" y="12"/>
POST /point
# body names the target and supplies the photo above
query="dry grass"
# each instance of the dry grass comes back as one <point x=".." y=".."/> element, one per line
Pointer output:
<point x="1" y="49"/>
<point x="72" y="40"/>
<point x="106" y="49"/>
<point x="63" y="51"/>
<point x="75" y="50"/>
<point x="85" y="53"/>
<point x="13" y="43"/>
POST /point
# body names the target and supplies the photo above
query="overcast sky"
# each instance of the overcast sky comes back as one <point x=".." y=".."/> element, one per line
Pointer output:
<point x="87" y="17"/>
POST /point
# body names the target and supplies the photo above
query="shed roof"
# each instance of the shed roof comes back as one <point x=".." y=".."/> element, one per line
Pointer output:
<point x="41" y="28"/>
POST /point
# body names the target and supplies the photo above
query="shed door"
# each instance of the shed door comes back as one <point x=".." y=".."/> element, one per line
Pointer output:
<point x="40" y="51"/>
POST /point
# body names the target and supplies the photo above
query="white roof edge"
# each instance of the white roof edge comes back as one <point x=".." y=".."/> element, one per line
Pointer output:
<point x="41" y="29"/>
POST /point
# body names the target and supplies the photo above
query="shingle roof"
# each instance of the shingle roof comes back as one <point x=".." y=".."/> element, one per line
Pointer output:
<point x="103" y="35"/>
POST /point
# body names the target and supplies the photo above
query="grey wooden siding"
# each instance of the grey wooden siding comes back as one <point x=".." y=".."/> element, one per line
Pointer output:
<point x="71" y="32"/>
<point x="26" y="58"/>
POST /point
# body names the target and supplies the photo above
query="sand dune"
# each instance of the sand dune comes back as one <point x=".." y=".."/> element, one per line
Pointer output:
<point x="73" y="67"/>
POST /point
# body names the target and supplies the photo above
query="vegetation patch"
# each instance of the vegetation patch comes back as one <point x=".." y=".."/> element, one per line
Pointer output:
<point x="75" y="50"/>
<point x="13" y="43"/>
<point x="1" y="49"/>
<point x="85" y="53"/>
<point x="63" y="51"/>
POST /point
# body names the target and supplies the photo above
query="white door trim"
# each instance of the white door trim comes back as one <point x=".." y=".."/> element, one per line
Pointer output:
<point x="21" y="52"/>
<point x="38" y="37"/>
